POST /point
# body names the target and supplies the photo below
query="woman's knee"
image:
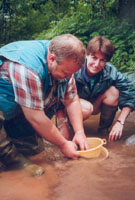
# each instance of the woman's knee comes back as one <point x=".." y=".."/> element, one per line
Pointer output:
<point x="112" y="96"/>
<point x="114" y="91"/>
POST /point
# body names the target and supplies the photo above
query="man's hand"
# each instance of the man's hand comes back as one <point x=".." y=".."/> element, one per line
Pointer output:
<point x="69" y="149"/>
<point x="81" y="140"/>
<point x="116" y="132"/>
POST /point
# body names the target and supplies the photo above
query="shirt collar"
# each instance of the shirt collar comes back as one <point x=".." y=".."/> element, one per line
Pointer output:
<point x="87" y="79"/>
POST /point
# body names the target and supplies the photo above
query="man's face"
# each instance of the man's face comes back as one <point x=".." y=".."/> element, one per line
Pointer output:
<point x="64" y="70"/>
<point x="95" y="63"/>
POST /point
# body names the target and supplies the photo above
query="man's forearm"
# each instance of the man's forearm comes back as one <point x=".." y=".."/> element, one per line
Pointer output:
<point x="44" y="126"/>
<point x="75" y="115"/>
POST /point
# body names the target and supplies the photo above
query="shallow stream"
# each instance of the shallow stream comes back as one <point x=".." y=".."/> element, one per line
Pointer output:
<point x="82" y="179"/>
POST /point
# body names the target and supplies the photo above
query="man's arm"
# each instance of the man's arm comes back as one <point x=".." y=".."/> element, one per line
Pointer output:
<point x="45" y="127"/>
<point x="74" y="111"/>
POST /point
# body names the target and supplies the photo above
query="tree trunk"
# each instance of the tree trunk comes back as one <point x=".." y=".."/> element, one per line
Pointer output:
<point x="126" y="9"/>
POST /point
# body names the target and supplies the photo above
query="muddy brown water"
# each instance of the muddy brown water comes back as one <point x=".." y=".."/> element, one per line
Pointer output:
<point x="82" y="179"/>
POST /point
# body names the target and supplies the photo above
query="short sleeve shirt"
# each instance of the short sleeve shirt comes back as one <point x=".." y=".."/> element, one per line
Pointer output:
<point x="28" y="88"/>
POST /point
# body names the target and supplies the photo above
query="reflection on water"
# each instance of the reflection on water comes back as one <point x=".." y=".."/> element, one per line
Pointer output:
<point x="110" y="179"/>
<point x="19" y="185"/>
<point x="93" y="179"/>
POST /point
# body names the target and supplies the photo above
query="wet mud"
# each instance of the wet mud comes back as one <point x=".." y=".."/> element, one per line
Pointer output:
<point x="82" y="179"/>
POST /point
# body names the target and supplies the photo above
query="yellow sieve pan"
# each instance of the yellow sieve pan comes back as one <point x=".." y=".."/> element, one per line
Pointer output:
<point x="95" y="147"/>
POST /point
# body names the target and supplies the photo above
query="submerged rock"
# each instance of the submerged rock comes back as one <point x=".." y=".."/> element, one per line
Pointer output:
<point x="35" y="170"/>
<point x="130" y="141"/>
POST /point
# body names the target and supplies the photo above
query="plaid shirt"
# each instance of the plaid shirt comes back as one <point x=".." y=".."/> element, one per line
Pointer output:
<point x="28" y="87"/>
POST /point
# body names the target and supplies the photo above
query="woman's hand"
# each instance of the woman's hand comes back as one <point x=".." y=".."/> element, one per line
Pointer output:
<point x="116" y="132"/>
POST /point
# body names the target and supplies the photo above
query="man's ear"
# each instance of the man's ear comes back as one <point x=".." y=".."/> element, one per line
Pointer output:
<point x="51" y="57"/>
<point x="51" y="61"/>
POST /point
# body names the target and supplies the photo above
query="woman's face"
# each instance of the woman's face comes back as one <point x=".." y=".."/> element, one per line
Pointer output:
<point x="95" y="63"/>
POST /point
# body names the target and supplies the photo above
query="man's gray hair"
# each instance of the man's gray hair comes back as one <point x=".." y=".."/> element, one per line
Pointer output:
<point x="67" y="46"/>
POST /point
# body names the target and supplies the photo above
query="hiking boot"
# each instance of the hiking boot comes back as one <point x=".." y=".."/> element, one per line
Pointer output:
<point x="64" y="125"/>
<point x="26" y="140"/>
<point x="11" y="158"/>
<point x="2" y="167"/>
<point x="106" y="118"/>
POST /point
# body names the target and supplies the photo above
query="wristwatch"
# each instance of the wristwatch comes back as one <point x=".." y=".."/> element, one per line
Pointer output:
<point x="122" y="122"/>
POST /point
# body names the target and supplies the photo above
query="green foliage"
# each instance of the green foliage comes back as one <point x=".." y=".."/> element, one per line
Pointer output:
<point x="44" y="19"/>
<point x="84" y="25"/>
